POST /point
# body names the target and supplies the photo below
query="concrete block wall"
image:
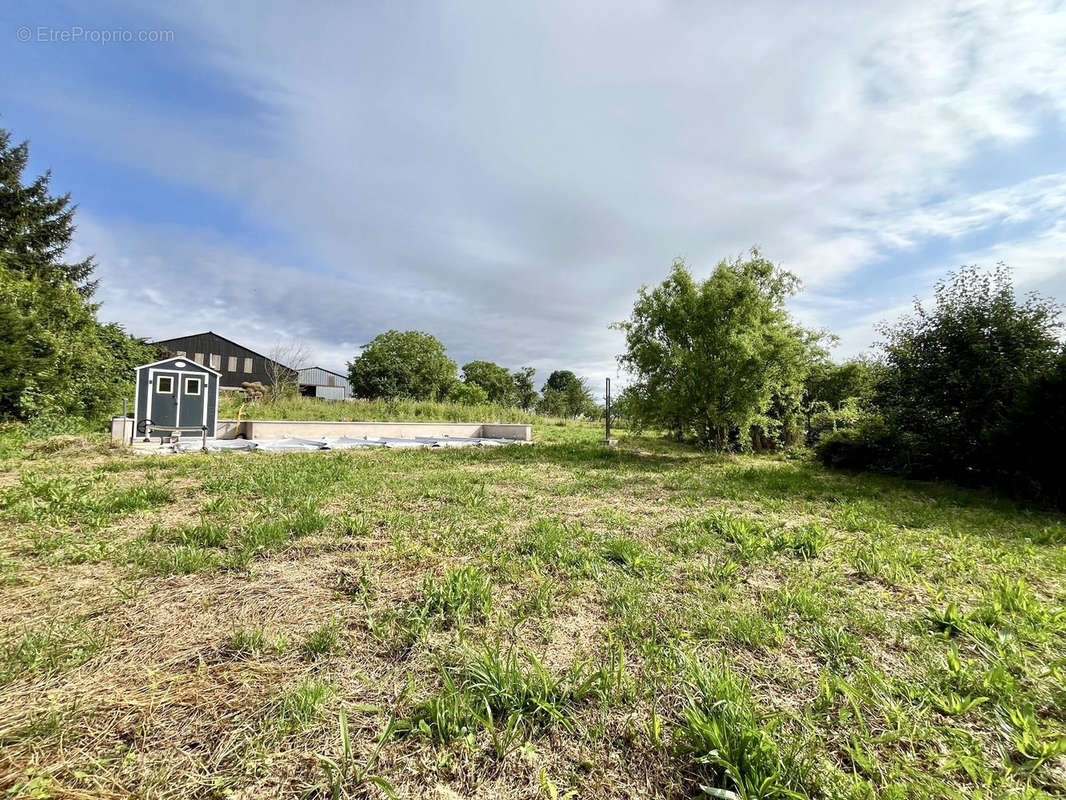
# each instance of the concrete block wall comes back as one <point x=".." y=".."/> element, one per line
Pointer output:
<point x="313" y="429"/>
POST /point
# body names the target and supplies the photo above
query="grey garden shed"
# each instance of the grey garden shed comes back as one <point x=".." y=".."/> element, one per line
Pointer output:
<point x="175" y="395"/>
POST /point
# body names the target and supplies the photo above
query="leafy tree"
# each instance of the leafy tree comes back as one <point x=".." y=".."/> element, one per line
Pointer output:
<point x="710" y="357"/>
<point x="469" y="394"/>
<point x="495" y="380"/>
<point x="409" y="364"/>
<point x="564" y="394"/>
<point x="954" y="373"/>
<point x="525" y="391"/>
<point x="552" y="403"/>
<point x="561" y="380"/>
<point x="55" y="358"/>
<point x="36" y="227"/>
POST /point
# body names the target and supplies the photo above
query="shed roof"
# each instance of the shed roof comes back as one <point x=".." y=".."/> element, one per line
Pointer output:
<point x="188" y="362"/>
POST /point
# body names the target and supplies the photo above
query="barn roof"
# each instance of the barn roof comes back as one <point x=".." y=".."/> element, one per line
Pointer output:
<point x="223" y="338"/>
<point x="323" y="369"/>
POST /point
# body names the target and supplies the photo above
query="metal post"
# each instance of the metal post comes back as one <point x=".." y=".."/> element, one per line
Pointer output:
<point x="607" y="412"/>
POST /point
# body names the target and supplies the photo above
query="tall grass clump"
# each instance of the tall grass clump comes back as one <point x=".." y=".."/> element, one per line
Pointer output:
<point x="559" y="546"/>
<point x="460" y="594"/>
<point x="510" y="695"/>
<point x="301" y="705"/>
<point x="729" y="741"/>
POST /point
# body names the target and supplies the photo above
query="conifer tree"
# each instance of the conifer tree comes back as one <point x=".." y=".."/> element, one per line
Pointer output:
<point x="36" y="227"/>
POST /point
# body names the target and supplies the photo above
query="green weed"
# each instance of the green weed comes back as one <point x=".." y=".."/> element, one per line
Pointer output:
<point x="344" y="773"/>
<point x="323" y="640"/>
<point x="728" y="741"/>
<point x="49" y="650"/>
<point x="632" y="555"/>
<point x="458" y="595"/>
<point x="299" y="706"/>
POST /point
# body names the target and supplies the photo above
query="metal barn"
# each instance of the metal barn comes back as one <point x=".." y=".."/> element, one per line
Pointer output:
<point x="176" y="396"/>
<point x="324" y="383"/>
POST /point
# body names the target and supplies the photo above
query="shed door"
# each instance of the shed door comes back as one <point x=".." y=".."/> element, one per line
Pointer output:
<point x="193" y="398"/>
<point x="163" y="408"/>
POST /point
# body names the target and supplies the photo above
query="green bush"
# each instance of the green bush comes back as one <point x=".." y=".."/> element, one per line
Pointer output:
<point x="955" y="372"/>
<point x="467" y="394"/>
<point x="868" y="445"/>
<point x="1033" y="440"/>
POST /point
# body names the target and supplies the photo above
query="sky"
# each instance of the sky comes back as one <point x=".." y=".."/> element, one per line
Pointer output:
<point x="506" y="176"/>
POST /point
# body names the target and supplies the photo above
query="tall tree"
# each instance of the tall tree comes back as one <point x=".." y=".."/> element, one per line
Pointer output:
<point x="835" y="392"/>
<point x="525" y="390"/>
<point x="564" y="394"/>
<point x="409" y="364"/>
<point x="36" y="227"/>
<point x="709" y="357"/>
<point x="494" y="379"/>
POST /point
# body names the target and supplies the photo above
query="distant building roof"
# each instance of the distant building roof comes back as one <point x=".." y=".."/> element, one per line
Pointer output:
<point x="323" y="369"/>
<point x="219" y="336"/>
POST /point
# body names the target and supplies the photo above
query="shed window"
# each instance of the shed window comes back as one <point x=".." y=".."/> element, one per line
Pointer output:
<point x="198" y="358"/>
<point x="247" y="365"/>
<point x="231" y="364"/>
<point x="164" y="384"/>
<point x="193" y="385"/>
<point x="216" y="361"/>
<point x="180" y="353"/>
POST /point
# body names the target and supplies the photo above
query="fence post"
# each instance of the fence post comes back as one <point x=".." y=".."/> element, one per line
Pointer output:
<point x="607" y="412"/>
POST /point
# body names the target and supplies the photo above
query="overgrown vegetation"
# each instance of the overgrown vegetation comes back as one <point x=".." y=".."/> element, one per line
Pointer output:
<point x="969" y="390"/>
<point x="414" y="366"/>
<point x="555" y="620"/>
<point x="395" y="410"/>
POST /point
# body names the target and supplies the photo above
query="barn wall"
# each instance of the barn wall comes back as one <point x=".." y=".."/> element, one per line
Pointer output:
<point x="212" y="344"/>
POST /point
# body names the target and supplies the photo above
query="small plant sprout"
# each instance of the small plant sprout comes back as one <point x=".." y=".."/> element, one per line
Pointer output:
<point x="344" y="774"/>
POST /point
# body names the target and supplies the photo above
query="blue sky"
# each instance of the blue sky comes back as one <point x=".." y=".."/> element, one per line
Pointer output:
<point x="506" y="176"/>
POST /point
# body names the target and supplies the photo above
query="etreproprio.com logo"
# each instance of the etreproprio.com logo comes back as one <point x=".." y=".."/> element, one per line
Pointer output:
<point x="75" y="34"/>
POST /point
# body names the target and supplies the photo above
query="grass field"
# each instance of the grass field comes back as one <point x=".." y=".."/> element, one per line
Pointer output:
<point x="552" y="621"/>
